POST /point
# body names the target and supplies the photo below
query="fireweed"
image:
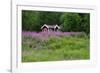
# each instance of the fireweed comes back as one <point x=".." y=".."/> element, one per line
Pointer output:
<point x="51" y="46"/>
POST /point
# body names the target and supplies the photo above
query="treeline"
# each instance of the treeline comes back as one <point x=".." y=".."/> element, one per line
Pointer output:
<point x="33" y="20"/>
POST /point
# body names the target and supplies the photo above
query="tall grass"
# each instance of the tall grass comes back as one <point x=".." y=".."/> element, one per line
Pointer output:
<point x="55" y="48"/>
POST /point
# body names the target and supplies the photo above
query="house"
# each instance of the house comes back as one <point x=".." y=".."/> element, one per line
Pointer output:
<point x="46" y="27"/>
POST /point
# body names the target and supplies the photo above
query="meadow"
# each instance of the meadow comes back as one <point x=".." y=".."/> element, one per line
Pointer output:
<point x="54" y="46"/>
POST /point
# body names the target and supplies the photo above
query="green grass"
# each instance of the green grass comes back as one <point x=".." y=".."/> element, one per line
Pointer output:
<point x="55" y="49"/>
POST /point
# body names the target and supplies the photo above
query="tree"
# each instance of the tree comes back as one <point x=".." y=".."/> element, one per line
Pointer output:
<point x="70" y="21"/>
<point x="85" y="23"/>
<point x="50" y="18"/>
<point x="33" y="20"/>
<point x="30" y="20"/>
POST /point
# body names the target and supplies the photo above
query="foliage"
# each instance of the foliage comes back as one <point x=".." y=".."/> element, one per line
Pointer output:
<point x="54" y="48"/>
<point x="33" y="20"/>
<point x="70" y="22"/>
<point x="30" y="20"/>
<point x="51" y="18"/>
<point x="85" y="23"/>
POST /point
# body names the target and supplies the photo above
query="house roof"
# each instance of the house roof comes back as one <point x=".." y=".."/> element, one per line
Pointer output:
<point x="50" y="26"/>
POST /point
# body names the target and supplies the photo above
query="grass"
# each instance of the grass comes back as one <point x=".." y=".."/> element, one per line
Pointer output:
<point x="55" y="48"/>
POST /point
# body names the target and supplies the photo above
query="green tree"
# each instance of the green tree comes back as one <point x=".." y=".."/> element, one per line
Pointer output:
<point x="85" y="22"/>
<point x="70" y="21"/>
<point x="33" y="20"/>
<point x="30" y="20"/>
<point x="50" y="18"/>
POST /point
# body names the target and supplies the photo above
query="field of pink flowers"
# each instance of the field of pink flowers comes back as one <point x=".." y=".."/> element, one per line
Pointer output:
<point x="48" y="34"/>
<point x="54" y="46"/>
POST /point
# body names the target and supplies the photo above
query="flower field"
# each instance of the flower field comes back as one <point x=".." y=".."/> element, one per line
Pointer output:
<point x="54" y="46"/>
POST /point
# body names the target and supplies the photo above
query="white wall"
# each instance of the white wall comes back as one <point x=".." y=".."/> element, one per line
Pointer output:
<point x="88" y="2"/>
<point x="5" y="34"/>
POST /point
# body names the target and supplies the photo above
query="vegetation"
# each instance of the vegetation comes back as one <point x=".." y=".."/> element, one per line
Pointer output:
<point x="33" y="20"/>
<point x="54" y="47"/>
<point x="70" y="43"/>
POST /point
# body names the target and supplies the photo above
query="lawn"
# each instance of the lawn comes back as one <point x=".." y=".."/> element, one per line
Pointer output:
<point x="54" y="46"/>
